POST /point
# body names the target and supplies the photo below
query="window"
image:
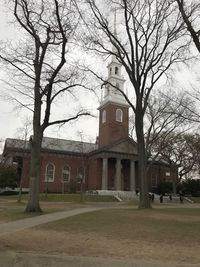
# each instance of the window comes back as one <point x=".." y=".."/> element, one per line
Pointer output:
<point x="168" y="177"/>
<point x="110" y="70"/>
<point x="116" y="70"/>
<point x="66" y="174"/>
<point x="119" y="115"/>
<point x="50" y="171"/>
<point x="103" y="116"/>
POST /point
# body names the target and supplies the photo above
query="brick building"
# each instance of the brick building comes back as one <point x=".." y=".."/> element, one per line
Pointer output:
<point x="109" y="164"/>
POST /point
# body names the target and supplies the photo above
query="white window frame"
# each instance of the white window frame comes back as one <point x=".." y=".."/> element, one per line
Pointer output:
<point x="119" y="115"/>
<point x="81" y="175"/>
<point x="104" y="116"/>
<point x="68" y="172"/>
<point x="46" y="173"/>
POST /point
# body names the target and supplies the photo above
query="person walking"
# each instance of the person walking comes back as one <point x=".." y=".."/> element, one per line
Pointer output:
<point x="161" y="198"/>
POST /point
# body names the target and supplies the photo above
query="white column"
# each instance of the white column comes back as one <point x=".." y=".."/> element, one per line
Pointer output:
<point x="132" y="175"/>
<point x="118" y="175"/>
<point x="105" y="174"/>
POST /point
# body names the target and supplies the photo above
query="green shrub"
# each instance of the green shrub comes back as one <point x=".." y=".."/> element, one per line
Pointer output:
<point x="8" y="177"/>
<point x="192" y="187"/>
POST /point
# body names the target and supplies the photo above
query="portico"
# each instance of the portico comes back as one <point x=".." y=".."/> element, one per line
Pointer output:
<point x="118" y="174"/>
<point x="118" y="163"/>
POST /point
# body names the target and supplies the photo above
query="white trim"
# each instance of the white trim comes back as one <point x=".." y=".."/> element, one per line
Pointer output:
<point x="54" y="168"/>
<point x="119" y="115"/>
<point x="104" y="116"/>
<point x="69" y="171"/>
<point x="79" y="174"/>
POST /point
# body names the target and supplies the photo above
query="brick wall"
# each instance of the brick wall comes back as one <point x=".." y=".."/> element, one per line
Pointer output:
<point x="112" y="130"/>
<point x="161" y="173"/>
<point x="59" y="161"/>
<point x="94" y="174"/>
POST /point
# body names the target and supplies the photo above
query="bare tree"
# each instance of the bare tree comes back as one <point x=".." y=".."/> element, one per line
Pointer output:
<point x="182" y="150"/>
<point x="147" y="43"/>
<point x="187" y="106"/>
<point x="190" y="11"/>
<point x="23" y="133"/>
<point x="166" y="122"/>
<point x="164" y="117"/>
<point x="42" y="70"/>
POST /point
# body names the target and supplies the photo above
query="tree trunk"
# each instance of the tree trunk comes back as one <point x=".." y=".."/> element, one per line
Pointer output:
<point x="20" y="192"/>
<point x="144" y="202"/>
<point x="33" y="199"/>
<point x="142" y="173"/>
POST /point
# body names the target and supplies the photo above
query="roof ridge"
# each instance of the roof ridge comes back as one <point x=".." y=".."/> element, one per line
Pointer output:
<point x="75" y="141"/>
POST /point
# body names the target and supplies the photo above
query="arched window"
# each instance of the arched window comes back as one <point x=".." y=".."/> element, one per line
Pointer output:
<point x="50" y="171"/>
<point x="103" y="116"/>
<point x="119" y="115"/>
<point x="66" y="174"/>
<point x="116" y="70"/>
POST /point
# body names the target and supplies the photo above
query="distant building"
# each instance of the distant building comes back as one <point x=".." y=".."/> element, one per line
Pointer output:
<point x="109" y="164"/>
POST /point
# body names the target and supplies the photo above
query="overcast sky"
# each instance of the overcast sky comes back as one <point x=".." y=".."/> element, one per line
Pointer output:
<point x="11" y="119"/>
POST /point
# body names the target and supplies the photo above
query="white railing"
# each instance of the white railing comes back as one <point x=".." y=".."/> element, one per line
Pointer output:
<point x="120" y="195"/>
<point x="130" y="195"/>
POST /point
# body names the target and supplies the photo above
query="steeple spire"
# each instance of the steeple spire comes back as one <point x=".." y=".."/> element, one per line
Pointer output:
<point x="113" y="123"/>
<point x="115" y="22"/>
<point x="115" y="78"/>
<point x="114" y="50"/>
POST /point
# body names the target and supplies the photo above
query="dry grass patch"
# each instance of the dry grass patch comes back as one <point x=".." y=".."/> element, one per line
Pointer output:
<point x="12" y="211"/>
<point x="166" y="225"/>
<point x="158" y="234"/>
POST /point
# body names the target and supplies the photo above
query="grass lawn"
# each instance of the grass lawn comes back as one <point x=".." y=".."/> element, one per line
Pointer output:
<point x="195" y="199"/>
<point x="162" y="234"/>
<point x="77" y="198"/>
<point x="167" y="234"/>
<point x="10" y="210"/>
<point x="167" y="225"/>
<point x="64" y="197"/>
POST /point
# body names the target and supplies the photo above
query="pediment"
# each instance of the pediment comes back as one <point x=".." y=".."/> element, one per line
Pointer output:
<point x="125" y="146"/>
